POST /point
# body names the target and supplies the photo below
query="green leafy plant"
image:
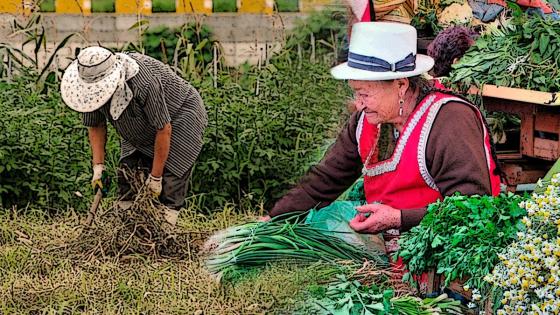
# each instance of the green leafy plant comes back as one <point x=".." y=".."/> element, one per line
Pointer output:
<point x="15" y="60"/>
<point x="44" y="150"/>
<point x="267" y="122"/>
<point x="346" y="296"/>
<point x="524" y="54"/>
<point x="462" y="236"/>
<point x="319" y="36"/>
<point x="426" y="19"/>
<point x="264" y="125"/>
<point x="189" y="48"/>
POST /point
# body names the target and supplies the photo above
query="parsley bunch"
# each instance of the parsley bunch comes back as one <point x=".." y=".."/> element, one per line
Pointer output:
<point x="462" y="236"/>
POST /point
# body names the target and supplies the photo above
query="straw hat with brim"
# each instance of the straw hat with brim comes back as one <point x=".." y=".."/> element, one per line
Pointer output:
<point x="382" y="51"/>
<point x="89" y="81"/>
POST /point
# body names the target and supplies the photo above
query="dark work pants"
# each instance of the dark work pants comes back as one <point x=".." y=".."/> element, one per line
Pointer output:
<point x="174" y="189"/>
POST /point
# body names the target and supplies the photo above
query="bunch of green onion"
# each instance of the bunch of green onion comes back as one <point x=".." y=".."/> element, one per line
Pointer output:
<point x="259" y="243"/>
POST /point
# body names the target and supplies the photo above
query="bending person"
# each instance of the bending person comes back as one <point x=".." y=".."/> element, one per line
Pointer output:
<point x="159" y="117"/>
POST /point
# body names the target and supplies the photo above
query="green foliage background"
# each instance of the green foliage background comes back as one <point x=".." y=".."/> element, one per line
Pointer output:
<point x="169" y="44"/>
<point x="257" y="145"/>
<point x="267" y="124"/>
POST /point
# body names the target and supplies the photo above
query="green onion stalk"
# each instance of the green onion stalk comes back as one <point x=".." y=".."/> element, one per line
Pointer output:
<point x="288" y="239"/>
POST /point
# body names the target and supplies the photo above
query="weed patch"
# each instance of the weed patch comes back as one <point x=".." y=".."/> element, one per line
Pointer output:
<point x="36" y="278"/>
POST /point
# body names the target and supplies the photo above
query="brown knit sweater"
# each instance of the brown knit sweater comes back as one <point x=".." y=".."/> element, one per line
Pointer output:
<point x="454" y="155"/>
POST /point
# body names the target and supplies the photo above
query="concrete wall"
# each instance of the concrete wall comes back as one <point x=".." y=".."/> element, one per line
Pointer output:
<point x="145" y="6"/>
<point x="242" y="36"/>
<point x="247" y="37"/>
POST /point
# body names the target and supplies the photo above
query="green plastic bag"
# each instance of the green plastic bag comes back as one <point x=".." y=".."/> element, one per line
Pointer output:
<point x="334" y="219"/>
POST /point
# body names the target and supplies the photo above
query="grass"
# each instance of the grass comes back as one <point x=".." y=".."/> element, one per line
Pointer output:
<point x="37" y="278"/>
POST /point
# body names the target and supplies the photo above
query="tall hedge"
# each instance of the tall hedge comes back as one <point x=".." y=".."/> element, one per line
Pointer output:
<point x="265" y="127"/>
<point x="42" y="149"/>
<point x="45" y="158"/>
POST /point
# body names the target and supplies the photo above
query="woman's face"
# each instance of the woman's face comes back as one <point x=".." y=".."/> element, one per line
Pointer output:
<point x="378" y="99"/>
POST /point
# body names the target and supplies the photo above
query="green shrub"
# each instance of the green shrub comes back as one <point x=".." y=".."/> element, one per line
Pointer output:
<point x="319" y="37"/>
<point x="42" y="148"/>
<point x="258" y="144"/>
<point x="161" y="42"/>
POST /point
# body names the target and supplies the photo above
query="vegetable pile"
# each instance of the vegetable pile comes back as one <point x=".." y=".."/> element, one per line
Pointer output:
<point x="118" y="233"/>
<point x="346" y="296"/>
<point x="529" y="273"/>
<point x="523" y="54"/>
<point x="462" y="236"/>
<point x="256" y="244"/>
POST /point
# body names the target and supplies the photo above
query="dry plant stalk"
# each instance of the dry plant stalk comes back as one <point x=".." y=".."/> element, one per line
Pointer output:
<point x="139" y="229"/>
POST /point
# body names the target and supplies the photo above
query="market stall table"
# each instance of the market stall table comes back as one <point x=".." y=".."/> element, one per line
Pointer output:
<point x="539" y="138"/>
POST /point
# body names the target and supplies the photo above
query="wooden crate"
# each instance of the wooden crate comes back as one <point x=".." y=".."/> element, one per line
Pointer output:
<point x="456" y="289"/>
<point x="539" y="141"/>
<point x="540" y="118"/>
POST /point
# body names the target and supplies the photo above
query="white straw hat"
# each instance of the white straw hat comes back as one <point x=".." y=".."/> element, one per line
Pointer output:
<point x="382" y="51"/>
<point x="94" y="77"/>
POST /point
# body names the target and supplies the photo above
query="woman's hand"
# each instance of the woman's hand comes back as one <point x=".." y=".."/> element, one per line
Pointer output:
<point x="381" y="218"/>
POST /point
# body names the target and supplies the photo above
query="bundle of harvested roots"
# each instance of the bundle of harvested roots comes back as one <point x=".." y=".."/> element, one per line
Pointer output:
<point x="140" y="228"/>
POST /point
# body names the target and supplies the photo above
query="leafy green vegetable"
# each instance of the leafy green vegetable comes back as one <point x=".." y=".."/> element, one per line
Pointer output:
<point x="346" y="296"/>
<point x="461" y="237"/>
<point x="523" y="54"/>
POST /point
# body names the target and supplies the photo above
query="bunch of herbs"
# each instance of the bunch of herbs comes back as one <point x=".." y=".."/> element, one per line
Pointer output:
<point x="524" y="54"/>
<point x="347" y="296"/>
<point x="462" y="236"/>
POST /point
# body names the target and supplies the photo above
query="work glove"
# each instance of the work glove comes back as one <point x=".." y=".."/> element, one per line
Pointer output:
<point x="100" y="179"/>
<point x="171" y="216"/>
<point x="154" y="185"/>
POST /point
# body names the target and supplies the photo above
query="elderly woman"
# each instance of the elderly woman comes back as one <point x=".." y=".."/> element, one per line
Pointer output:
<point x="436" y="144"/>
<point x="159" y="117"/>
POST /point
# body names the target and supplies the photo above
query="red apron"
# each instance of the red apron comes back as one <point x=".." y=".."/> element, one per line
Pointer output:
<point x="403" y="181"/>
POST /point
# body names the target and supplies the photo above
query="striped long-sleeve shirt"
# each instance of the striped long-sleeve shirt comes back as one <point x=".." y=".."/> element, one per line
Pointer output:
<point x="160" y="97"/>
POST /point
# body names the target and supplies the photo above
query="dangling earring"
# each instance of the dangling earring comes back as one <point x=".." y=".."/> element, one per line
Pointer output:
<point x="401" y="102"/>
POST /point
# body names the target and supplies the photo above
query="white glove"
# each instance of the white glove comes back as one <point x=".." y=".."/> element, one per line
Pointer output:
<point x="171" y="216"/>
<point x="154" y="185"/>
<point x="97" y="173"/>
